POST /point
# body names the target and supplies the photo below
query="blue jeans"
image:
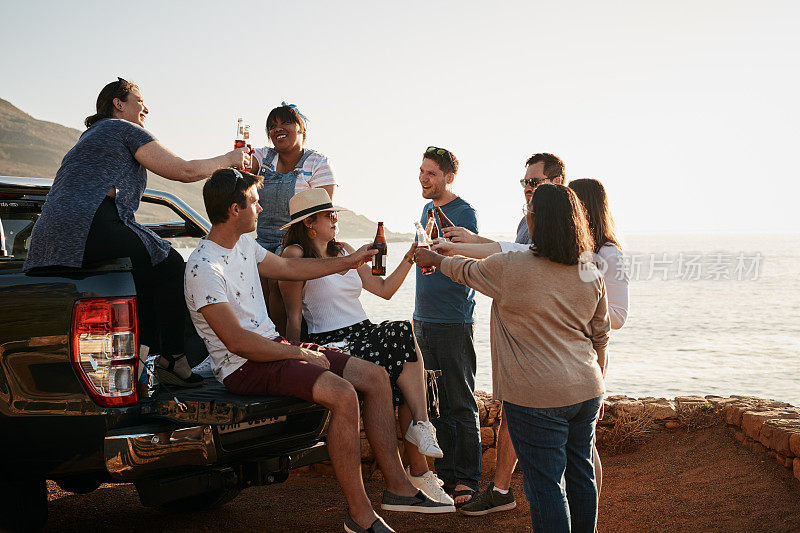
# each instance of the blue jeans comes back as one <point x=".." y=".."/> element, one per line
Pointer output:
<point x="449" y="348"/>
<point x="554" y="448"/>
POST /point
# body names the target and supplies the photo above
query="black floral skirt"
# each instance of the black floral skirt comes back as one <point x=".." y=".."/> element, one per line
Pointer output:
<point x="388" y="344"/>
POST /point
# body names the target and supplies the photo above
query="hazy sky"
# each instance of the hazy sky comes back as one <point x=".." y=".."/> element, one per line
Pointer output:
<point x="687" y="111"/>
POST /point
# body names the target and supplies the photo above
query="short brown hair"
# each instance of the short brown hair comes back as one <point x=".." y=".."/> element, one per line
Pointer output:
<point x="447" y="161"/>
<point x="560" y="228"/>
<point x="553" y="165"/>
<point x="225" y="188"/>
<point x="105" y="100"/>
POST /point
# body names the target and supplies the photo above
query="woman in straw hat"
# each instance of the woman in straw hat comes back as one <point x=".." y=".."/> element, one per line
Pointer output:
<point x="333" y="312"/>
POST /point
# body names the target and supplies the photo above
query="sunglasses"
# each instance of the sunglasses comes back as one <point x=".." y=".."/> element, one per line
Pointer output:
<point x="333" y="215"/>
<point x="533" y="182"/>
<point x="439" y="151"/>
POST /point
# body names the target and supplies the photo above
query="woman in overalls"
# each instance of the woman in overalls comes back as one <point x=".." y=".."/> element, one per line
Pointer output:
<point x="287" y="168"/>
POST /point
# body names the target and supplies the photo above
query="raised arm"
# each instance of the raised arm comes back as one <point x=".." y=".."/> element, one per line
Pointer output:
<point x="250" y="345"/>
<point x="485" y="275"/>
<point x="301" y="269"/>
<point x="463" y="235"/>
<point x="385" y="288"/>
<point x="157" y="158"/>
<point x="475" y="251"/>
<point x="292" y="293"/>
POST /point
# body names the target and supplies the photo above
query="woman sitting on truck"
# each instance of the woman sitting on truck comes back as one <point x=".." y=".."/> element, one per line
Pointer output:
<point x="334" y="315"/>
<point x="89" y="216"/>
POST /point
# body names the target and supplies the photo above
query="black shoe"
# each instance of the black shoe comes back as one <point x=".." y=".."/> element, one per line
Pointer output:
<point x="170" y="377"/>
<point x="419" y="503"/>
<point x="378" y="526"/>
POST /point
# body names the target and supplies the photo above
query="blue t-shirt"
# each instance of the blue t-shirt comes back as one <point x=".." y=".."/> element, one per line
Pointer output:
<point x="440" y="299"/>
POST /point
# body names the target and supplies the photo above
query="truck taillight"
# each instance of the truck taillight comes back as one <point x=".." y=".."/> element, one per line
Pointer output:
<point x="105" y="349"/>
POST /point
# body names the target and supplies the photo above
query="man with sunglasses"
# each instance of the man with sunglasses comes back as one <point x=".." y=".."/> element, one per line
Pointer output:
<point x="443" y="326"/>
<point x="223" y="293"/>
<point x="539" y="168"/>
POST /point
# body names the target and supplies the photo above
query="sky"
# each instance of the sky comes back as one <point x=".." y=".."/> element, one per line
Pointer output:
<point x="688" y="112"/>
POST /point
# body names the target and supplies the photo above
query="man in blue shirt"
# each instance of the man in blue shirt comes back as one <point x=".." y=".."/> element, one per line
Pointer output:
<point x="443" y="325"/>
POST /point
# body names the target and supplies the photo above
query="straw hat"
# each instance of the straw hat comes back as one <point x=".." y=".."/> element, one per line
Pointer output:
<point x="308" y="202"/>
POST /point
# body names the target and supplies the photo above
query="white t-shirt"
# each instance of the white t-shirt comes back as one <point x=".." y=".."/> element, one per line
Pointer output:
<point x="216" y="274"/>
<point x="616" y="277"/>
<point x="315" y="172"/>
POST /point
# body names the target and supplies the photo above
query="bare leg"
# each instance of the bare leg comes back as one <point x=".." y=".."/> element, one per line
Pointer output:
<point x="373" y="382"/>
<point x="340" y="398"/>
<point x="416" y="461"/>
<point x="506" y="457"/>
<point x="275" y="307"/>
<point x="411" y="383"/>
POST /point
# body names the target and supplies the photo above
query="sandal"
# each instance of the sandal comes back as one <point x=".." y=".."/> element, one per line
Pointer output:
<point x="463" y="492"/>
<point x="169" y="376"/>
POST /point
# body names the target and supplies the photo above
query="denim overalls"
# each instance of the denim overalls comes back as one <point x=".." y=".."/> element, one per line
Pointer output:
<point x="274" y="199"/>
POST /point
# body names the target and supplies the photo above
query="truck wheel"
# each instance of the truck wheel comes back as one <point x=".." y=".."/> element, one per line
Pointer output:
<point x="206" y="500"/>
<point x="79" y="485"/>
<point x="23" y="506"/>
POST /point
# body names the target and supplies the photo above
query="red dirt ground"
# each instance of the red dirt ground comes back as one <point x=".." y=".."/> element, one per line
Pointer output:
<point x="679" y="481"/>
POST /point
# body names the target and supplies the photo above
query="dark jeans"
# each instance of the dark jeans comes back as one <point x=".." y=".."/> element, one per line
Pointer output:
<point x="449" y="348"/>
<point x="554" y="448"/>
<point x="161" y="307"/>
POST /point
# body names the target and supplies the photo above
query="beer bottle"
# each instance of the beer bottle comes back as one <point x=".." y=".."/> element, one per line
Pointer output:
<point x="430" y="227"/>
<point x="379" y="260"/>
<point x="444" y="222"/>
<point x="239" y="141"/>
<point x="423" y="242"/>
<point x="246" y="138"/>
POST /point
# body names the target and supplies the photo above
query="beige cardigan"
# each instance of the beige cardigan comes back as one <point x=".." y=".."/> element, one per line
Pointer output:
<point x="547" y="324"/>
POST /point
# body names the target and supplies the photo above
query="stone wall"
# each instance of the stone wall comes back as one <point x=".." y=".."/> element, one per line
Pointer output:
<point x="768" y="427"/>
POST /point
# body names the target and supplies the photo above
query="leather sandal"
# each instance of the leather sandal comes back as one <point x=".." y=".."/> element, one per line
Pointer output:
<point x="463" y="492"/>
<point x="169" y="376"/>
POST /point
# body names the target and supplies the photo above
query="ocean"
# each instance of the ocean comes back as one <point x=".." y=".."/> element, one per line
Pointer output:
<point x="709" y="314"/>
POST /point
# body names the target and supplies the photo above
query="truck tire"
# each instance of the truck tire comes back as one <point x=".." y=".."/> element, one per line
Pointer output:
<point x="23" y="506"/>
<point x="205" y="500"/>
<point x="79" y="485"/>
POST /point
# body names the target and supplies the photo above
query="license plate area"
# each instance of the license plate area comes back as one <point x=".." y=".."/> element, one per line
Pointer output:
<point x="224" y="429"/>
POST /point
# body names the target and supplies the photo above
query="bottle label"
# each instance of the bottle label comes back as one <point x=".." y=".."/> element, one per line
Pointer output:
<point x="380" y="260"/>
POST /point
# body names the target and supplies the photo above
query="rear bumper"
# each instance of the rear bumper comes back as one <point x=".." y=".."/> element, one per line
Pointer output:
<point x="130" y="456"/>
<point x="133" y="456"/>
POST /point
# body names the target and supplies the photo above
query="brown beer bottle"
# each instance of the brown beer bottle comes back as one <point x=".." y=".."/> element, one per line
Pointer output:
<point x="431" y="230"/>
<point x="444" y="222"/>
<point x="379" y="260"/>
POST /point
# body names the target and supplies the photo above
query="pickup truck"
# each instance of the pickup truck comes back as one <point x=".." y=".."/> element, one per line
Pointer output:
<point x="81" y="406"/>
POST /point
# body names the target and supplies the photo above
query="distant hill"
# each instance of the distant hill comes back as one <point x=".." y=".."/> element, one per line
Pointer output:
<point x="32" y="147"/>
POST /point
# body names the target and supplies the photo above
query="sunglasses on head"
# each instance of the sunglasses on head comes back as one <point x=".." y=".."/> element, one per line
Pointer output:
<point x="439" y="151"/>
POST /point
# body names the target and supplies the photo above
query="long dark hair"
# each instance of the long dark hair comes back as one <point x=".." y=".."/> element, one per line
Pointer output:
<point x="105" y="100"/>
<point x="560" y="230"/>
<point x="298" y="234"/>
<point x="593" y="196"/>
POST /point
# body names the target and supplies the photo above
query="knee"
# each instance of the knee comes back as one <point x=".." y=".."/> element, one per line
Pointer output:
<point x="341" y="398"/>
<point x="377" y="379"/>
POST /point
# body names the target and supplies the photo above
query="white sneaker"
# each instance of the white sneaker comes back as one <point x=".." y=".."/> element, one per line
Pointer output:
<point x="423" y="436"/>
<point x="431" y="485"/>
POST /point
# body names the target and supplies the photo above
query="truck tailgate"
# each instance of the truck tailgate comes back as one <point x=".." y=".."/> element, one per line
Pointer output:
<point x="211" y="403"/>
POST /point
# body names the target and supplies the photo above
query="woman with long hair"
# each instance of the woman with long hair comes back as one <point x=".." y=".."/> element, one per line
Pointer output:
<point x="334" y="315"/>
<point x="549" y="332"/>
<point x="89" y="216"/>
<point x="497" y="496"/>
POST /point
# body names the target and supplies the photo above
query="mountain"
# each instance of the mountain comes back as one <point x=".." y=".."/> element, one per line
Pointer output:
<point x="32" y="147"/>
